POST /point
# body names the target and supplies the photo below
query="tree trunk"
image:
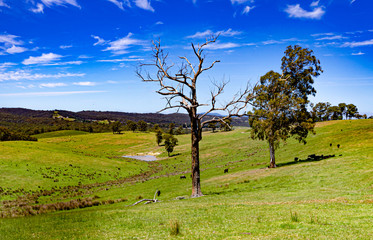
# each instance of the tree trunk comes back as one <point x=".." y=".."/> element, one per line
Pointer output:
<point x="272" y="164"/>
<point x="195" y="134"/>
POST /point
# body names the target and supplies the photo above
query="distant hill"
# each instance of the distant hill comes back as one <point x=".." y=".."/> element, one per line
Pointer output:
<point x="23" y="115"/>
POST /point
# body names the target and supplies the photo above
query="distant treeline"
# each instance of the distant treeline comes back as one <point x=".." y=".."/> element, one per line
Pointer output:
<point x="20" y="123"/>
<point x="324" y="111"/>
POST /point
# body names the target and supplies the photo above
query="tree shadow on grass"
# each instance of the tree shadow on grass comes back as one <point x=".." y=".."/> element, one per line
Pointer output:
<point x="310" y="158"/>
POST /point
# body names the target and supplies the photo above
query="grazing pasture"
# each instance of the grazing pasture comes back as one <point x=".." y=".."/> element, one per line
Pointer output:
<point x="72" y="185"/>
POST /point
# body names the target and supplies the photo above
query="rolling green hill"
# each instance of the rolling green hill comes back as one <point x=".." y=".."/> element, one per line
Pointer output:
<point x="313" y="198"/>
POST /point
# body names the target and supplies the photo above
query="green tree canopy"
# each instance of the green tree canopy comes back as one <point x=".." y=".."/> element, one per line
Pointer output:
<point x="280" y="105"/>
<point x="142" y="126"/>
<point x="169" y="143"/>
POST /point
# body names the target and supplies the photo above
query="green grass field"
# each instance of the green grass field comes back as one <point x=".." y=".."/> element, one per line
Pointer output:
<point x="325" y="199"/>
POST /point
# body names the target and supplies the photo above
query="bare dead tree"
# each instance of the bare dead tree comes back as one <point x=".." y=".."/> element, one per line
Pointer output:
<point x="180" y="91"/>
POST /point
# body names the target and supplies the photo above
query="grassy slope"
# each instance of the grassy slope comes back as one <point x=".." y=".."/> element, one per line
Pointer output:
<point x="332" y="198"/>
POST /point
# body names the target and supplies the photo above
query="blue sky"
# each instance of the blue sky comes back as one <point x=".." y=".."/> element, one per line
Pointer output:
<point x="82" y="55"/>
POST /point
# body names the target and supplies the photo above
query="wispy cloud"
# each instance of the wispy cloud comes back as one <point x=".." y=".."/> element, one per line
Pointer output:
<point x="269" y="42"/>
<point x="358" y="44"/>
<point x="322" y="34"/>
<point x="24" y="75"/>
<point x="122" y="45"/>
<point x="6" y="65"/>
<point x="15" y="49"/>
<point x="295" y="11"/>
<point x="357" y="54"/>
<point x="47" y="94"/>
<point x="66" y="46"/>
<point x="225" y="33"/>
<point x="9" y="39"/>
<point x="51" y="3"/>
<point x="52" y="85"/>
<point x="247" y="9"/>
<point x="159" y="23"/>
<point x="121" y="60"/>
<point x="45" y="58"/>
<point x="241" y="1"/>
<point x="335" y="37"/>
<point x="88" y="84"/>
<point x="144" y="4"/>
<point x="100" y="41"/>
<point x="39" y="8"/>
<point x="3" y="4"/>
<point x="218" y="45"/>
<point x="120" y="4"/>
<point x="315" y="3"/>
<point x="64" y="63"/>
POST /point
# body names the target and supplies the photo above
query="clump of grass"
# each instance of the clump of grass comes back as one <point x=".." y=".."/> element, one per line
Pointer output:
<point x="174" y="227"/>
<point x="294" y="216"/>
<point x="313" y="219"/>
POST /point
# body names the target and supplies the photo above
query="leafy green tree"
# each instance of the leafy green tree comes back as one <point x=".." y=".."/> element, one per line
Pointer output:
<point x="171" y="128"/>
<point x="334" y="112"/>
<point x="169" y="143"/>
<point x="212" y="125"/>
<point x="115" y="126"/>
<point x="351" y="111"/>
<point x="159" y="136"/>
<point x="131" y="125"/>
<point x="179" y="130"/>
<point x="280" y="105"/>
<point x="320" y="111"/>
<point x="343" y="109"/>
<point x="142" y="126"/>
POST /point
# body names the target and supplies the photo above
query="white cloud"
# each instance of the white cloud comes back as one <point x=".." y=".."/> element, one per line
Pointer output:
<point x="66" y="46"/>
<point x="295" y="11"/>
<point x="247" y="9"/>
<point x="84" y="56"/>
<point x="3" y="4"/>
<point x="45" y="58"/>
<point x="121" y="45"/>
<point x="50" y="3"/>
<point x="39" y="8"/>
<point x="352" y="1"/>
<point x="358" y="44"/>
<point x="144" y="4"/>
<point x="241" y="1"/>
<point x="218" y="45"/>
<point x="121" y="60"/>
<point x="226" y="33"/>
<point x="100" y="41"/>
<point x="23" y="75"/>
<point x="9" y="39"/>
<point x="322" y="34"/>
<point x="315" y="3"/>
<point x="357" y="54"/>
<point x="269" y="42"/>
<point x="52" y="85"/>
<point x="119" y="4"/>
<point x="14" y="49"/>
<point x="90" y="84"/>
<point x="5" y="65"/>
<point x="335" y="37"/>
<point x="47" y="94"/>
<point x="159" y="23"/>
<point x="64" y="63"/>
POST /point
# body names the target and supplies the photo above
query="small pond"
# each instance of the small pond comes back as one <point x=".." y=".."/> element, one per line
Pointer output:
<point x="147" y="158"/>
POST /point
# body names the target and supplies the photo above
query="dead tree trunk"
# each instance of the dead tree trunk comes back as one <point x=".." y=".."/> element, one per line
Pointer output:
<point x="180" y="90"/>
<point x="196" y="137"/>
